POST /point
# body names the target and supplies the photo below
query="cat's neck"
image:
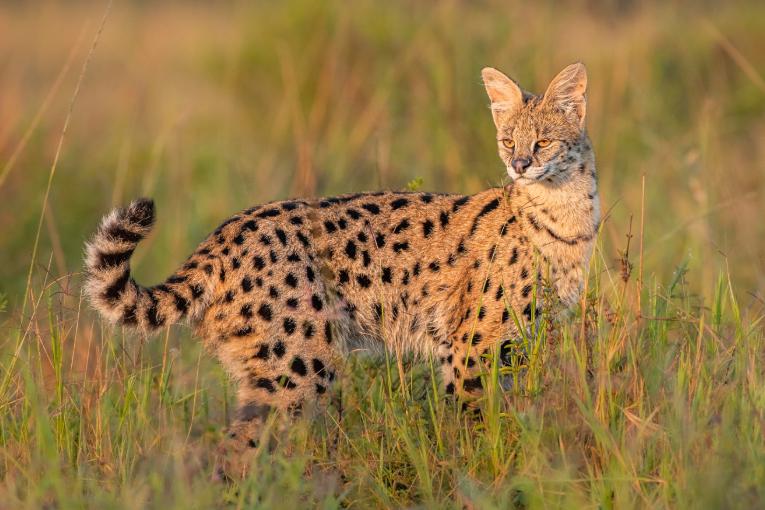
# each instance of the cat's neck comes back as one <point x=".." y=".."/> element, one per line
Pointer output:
<point x="561" y="220"/>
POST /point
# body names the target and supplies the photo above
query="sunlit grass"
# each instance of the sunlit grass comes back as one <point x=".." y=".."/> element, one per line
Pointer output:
<point x="650" y="394"/>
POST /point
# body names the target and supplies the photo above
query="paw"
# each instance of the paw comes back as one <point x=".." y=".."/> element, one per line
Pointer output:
<point x="235" y="453"/>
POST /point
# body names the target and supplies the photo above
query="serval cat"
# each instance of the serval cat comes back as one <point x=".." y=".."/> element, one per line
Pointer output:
<point x="281" y="293"/>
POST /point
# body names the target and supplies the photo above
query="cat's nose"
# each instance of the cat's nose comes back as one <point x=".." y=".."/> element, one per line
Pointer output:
<point x="521" y="164"/>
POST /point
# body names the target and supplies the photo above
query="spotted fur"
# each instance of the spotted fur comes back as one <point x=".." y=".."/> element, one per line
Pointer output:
<point x="280" y="293"/>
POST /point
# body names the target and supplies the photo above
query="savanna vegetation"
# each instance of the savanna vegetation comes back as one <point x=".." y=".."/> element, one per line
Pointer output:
<point x="651" y="395"/>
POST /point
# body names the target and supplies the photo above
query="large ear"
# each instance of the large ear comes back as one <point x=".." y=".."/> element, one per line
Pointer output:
<point x="567" y="91"/>
<point x="504" y="93"/>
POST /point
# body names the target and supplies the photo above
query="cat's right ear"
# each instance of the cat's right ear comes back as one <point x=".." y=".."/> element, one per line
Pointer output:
<point x="504" y="93"/>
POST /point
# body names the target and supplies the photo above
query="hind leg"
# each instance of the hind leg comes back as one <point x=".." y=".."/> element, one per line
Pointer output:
<point x="288" y="378"/>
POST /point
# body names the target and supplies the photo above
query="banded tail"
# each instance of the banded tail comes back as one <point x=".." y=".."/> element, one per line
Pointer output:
<point x="115" y="294"/>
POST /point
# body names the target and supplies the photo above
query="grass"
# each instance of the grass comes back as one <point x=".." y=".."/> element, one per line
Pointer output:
<point x="651" y="395"/>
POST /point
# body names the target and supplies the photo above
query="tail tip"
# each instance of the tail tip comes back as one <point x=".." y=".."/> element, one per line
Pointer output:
<point x="141" y="212"/>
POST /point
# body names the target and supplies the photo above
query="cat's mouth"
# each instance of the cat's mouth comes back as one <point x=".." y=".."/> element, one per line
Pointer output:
<point x="531" y="174"/>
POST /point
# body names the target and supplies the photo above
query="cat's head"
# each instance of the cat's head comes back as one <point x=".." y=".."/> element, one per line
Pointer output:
<point x="541" y="138"/>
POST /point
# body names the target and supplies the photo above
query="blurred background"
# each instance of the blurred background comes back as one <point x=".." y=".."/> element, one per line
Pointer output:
<point x="210" y="107"/>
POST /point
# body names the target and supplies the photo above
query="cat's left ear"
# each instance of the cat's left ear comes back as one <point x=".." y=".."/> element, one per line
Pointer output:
<point x="567" y="91"/>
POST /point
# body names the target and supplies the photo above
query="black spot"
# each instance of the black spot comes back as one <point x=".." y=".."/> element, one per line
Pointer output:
<point x="293" y="257"/>
<point x="330" y="226"/>
<point x="308" y="330"/>
<point x="433" y="266"/>
<point x="303" y="239"/>
<point x="262" y="352"/>
<point x="399" y="247"/>
<point x="379" y="240"/>
<point x="399" y="203"/>
<point x="473" y="384"/>
<point x="258" y="262"/>
<point x="366" y="258"/>
<point x="246" y="284"/>
<point x="318" y="367"/>
<point x="207" y="268"/>
<point x="239" y="239"/>
<point x="363" y="280"/>
<point x="265" y="240"/>
<point x="377" y="311"/>
<point x="362" y="237"/>
<point x="243" y="331"/>
<point x="405" y="278"/>
<point x="309" y="274"/>
<point x="350" y="249"/>
<point x="320" y="389"/>
<point x="196" y="291"/>
<point x="285" y="382"/>
<point x="272" y="256"/>
<point x="266" y="384"/>
<point x="181" y="303"/>
<point x="289" y="206"/>
<point x="298" y="366"/>
<point x="291" y="280"/>
<point x="403" y="225"/>
<point x="259" y="281"/>
<point x="265" y="312"/>
<point x="500" y="292"/>
<point x="444" y="218"/>
<point x="486" y="285"/>
<point x="120" y="234"/>
<point x="152" y="314"/>
<point x="353" y="213"/>
<point x="476" y="339"/>
<point x="524" y="273"/>
<point x="342" y="224"/>
<point x="328" y="332"/>
<point x="246" y="311"/>
<point x="292" y="303"/>
<point x="484" y="211"/>
<point x="459" y="203"/>
<point x="114" y="291"/>
<point x="513" y="256"/>
<point x="279" y="349"/>
<point x="296" y="220"/>
<point x="372" y="208"/>
<point x="427" y="228"/>
<point x="505" y="315"/>
<point x="268" y="213"/>
<point x="316" y="302"/>
<point x="344" y="277"/>
<point x="450" y="388"/>
<point x="481" y="313"/>
<point x="526" y="290"/>
<point x="387" y="275"/>
<point x="426" y="198"/>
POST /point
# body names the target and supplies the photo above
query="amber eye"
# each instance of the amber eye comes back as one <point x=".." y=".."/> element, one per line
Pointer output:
<point x="507" y="142"/>
<point x="544" y="142"/>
